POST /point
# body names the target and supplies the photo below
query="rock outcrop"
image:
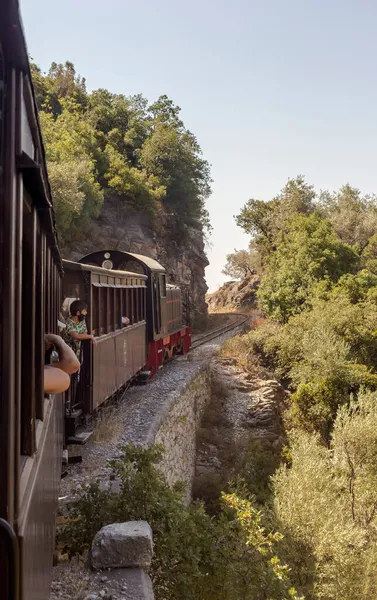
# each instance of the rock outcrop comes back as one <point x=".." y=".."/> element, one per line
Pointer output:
<point x="235" y="294"/>
<point x="118" y="228"/>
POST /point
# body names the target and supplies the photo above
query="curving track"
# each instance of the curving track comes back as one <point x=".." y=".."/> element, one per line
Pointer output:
<point x="207" y="337"/>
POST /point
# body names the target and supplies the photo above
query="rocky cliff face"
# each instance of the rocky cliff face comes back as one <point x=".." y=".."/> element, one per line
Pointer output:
<point x="235" y="295"/>
<point x="119" y="229"/>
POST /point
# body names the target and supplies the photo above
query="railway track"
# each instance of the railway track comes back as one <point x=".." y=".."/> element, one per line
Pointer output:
<point x="211" y="335"/>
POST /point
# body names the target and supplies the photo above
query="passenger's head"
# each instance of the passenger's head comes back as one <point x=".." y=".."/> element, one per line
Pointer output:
<point x="78" y="309"/>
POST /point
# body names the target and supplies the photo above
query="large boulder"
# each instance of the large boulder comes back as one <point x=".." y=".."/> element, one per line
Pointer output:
<point x="122" y="545"/>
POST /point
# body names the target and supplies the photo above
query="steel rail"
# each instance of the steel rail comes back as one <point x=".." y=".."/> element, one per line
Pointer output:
<point x="207" y="337"/>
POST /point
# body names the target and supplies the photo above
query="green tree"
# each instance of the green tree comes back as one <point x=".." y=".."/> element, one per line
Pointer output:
<point x="140" y="190"/>
<point x="307" y="253"/>
<point x="264" y="220"/>
<point x="61" y="82"/>
<point x="72" y="154"/>
<point x="101" y="144"/>
<point x="369" y="255"/>
<point x="353" y="216"/>
<point x="174" y="156"/>
<point x="241" y="263"/>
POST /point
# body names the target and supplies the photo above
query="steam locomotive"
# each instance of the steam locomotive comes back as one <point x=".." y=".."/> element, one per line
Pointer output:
<point x="35" y="283"/>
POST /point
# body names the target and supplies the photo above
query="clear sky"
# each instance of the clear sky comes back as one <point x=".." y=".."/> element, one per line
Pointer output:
<point x="271" y="88"/>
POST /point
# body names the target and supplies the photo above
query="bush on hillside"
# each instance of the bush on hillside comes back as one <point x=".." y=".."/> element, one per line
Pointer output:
<point x="307" y="252"/>
<point x="326" y="503"/>
<point x="228" y="558"/>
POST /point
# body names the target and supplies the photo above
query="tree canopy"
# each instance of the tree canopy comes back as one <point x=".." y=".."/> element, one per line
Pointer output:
<point x="101" y="143"/>
<point x="242" y="263"/>
<point x="307" y="241"/>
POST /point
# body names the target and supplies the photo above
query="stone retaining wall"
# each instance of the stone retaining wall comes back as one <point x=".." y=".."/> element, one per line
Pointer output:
<point x="170" y="415"/>
<point x="177" y="432"/>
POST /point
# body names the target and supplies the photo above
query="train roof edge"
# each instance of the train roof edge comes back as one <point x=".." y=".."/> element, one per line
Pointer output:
<point x="70" y="265"/>
<point x="149" y="264"/>
<point x="14" y="49"/>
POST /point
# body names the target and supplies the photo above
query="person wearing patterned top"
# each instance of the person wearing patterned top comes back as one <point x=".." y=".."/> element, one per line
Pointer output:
<point x="76" y="329"/>
<point x="73" y="334"/>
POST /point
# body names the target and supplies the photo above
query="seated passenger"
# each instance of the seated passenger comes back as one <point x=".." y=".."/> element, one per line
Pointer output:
<point x="57" y="375"/>
<point x="125" y="321"/>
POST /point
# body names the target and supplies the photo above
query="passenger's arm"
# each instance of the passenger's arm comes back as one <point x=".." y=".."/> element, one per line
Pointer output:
<point x="81" y="336"/>
<point x="55" y="380"/>
<point x="68" y="361"/>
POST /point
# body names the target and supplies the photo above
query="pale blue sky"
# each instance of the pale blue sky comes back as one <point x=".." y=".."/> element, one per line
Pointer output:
<point x="271" y="88"/>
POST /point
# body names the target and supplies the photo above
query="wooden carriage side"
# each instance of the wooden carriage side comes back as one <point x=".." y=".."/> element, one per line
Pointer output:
<point x="120" y="351"/>
<point x="30" y="274"/>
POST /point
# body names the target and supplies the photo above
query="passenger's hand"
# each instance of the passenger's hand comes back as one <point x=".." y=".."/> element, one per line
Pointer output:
<point x="94" y="341"/>
<point x="52" y="340"/>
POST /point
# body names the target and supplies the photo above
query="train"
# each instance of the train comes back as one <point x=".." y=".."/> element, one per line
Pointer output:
<point x="139" y="320"/>
<point x="117" y="287"/>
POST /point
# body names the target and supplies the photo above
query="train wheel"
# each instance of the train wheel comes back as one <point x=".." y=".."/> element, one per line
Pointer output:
<point x="179" y="349"/>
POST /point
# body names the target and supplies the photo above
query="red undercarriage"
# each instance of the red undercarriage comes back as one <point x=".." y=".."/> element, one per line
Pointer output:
<point x="160" y="351"/>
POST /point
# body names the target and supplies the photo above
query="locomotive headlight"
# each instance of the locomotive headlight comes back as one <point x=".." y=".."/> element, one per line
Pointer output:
<point x="107" y="255"/>
<point x="107" y="264"/>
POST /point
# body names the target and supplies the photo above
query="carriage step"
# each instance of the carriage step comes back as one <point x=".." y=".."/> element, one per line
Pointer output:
<point x="80" y="438"/>
<point x="72" y="422"/>
<point x="75" y="414"/>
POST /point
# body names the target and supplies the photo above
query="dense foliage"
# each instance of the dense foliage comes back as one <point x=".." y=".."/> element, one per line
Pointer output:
<point x="99" y="144"/>
<point x="231" y="557"/>
<point x="327" y="500"/>
<point x="320" y="291"/>
<point x="319" y="294"/>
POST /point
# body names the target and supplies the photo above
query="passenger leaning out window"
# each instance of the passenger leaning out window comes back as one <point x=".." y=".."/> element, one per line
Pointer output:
<point x="57" y="375"/>
<point x="76" y="330"/>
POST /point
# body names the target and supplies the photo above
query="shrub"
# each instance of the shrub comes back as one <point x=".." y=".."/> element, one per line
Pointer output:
<point x="326" y="504"/>
<point x="306" y="253"/>
<point x="196" y="556"/>
<point x="255" y="469"/>
<point x="314" y="405"/>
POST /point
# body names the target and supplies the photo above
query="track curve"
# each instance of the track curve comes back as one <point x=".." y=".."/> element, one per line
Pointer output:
<point x="207" y="337"/>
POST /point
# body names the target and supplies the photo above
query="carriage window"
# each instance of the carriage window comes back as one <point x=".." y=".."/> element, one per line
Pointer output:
<point x="103" y="310"/>
<point x="28" y="345"/>
<point x="126" y="304"/>
<point x="95" y="310"/>
<point x="140" y="303"/>
<point x="156" y="305"/>
<point x="111" y="316"/>
<point x="117" y="308"/>
<point x="137" y="305"/>
<point x="132" y="311"/>
<point x="39" y="333"/>
<point x="163" y="285"/>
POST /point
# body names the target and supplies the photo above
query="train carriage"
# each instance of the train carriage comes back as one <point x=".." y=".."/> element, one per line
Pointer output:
<point x="167" y="331"/>
<point x="114" y="298"/>
<point x="31" y="433"/>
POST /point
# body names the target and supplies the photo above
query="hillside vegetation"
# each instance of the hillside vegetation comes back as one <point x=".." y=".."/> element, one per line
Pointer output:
<point x="301" y="522"/>
<point x="100" y="144"/>
<point x="317" y="258"/>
